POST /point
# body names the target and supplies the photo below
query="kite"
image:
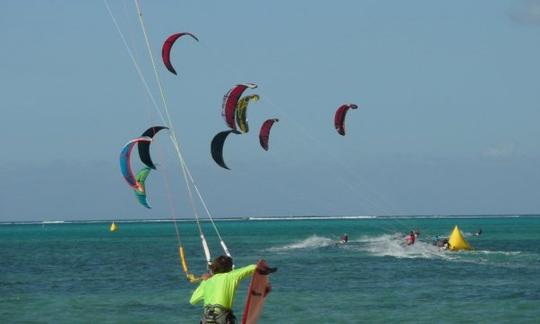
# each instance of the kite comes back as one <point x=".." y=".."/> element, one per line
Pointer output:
<point x="241" y="112"/>
<point x="264" y="134"/>
<point x="166" y="49"/>
<point x="230" y="101"/>
<point x="217" y="147"/>
<point x="339" y="119"/>
<point x="144" y="146"/>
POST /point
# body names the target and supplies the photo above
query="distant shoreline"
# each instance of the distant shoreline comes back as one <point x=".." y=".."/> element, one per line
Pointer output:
<point x="266" y="218"/>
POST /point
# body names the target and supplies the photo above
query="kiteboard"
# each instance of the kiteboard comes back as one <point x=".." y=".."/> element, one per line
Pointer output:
<point x="259" y="288"/>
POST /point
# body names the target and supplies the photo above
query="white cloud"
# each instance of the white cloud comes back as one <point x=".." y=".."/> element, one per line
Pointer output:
<point x="526" y="12"/>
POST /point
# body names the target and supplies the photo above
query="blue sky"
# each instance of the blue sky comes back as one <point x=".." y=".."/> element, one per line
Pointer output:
<point x="448" y="96"/>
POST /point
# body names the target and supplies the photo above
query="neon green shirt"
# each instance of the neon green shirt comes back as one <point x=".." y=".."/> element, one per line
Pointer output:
<point x="221" y="288"/>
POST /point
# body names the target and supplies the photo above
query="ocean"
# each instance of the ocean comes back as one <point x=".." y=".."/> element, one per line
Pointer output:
<point x="83" y="273"/>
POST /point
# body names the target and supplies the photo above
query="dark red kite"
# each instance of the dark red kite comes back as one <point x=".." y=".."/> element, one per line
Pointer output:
<point x="339" y="120"/>
<point x="264" y="134"/>
<point x="167" y="46"/>
<point x="230" y="100"/>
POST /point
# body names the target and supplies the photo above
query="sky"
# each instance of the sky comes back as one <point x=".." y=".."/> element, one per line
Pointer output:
<point x="448" y="95"/>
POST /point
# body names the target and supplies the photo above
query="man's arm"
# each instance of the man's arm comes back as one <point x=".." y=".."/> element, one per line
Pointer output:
<point x="198" y="294"/>
<point x="244" y="272"/>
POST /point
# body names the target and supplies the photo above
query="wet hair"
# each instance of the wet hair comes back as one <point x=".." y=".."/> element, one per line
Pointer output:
<point x="221" y="264"/>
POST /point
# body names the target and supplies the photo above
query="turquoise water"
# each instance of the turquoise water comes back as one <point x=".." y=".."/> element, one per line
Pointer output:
<point x="67" y="273"/>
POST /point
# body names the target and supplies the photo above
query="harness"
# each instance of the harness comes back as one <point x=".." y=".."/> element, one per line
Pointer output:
<point x="217" y="314"/>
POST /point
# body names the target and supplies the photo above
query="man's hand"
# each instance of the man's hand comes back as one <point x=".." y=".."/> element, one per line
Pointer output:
<point x="266" y="270"/>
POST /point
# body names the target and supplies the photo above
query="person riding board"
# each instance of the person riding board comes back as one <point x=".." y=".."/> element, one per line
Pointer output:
<point x="441" y="242"/>
<point x="344" y="238"/>
<point x="218" y="289"/>
<point x="410" y="238"/>
<point x="445" y="245"/>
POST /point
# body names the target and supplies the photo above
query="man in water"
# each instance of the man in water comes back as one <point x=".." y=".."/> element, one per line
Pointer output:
<point x="219" y="288"/>
<point x="410" y="238"/>
<point x="344" y="238"/>
<point x="442" y="243"/>
<point x="445" y="245"/>
<point x="478" y="233"/>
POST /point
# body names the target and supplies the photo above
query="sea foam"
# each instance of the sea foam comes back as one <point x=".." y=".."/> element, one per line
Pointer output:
<point x="312" y="242"/>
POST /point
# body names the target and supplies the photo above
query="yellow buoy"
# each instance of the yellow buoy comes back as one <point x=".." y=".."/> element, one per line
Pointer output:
<point x="114" y="227"/>
<point x="456" y="241"/>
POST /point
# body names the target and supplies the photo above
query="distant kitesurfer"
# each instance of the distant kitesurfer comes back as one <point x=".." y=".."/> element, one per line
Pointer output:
<point x="218" y="289"/>
<point x="445" y="245"/>
<point x="441" y="243"/>
<point x="410" y="238"/>
<point x="344" y="238"/>
<point x="416" y="233"/>
<point x="478" y="233"/>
